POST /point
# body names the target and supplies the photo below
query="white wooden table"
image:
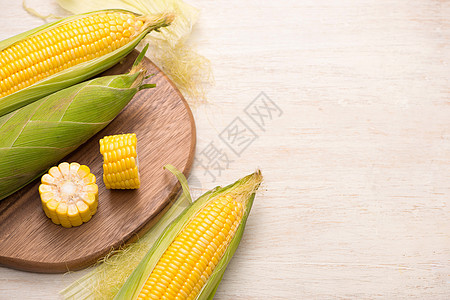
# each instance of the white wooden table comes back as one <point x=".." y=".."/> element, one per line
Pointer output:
<point x="355" y="146"/>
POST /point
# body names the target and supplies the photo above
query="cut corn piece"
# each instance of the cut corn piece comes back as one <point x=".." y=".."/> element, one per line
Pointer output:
<point x="69" y="194"/>
<point x="68" y="51"/>
<point x="120" y="164"/>
<point x="189" y="258"/>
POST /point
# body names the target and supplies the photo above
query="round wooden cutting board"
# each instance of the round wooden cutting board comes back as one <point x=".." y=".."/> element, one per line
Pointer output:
<point x="165" y="129"/>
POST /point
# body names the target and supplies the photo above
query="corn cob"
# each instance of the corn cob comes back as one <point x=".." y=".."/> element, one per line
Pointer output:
<point x="37" y="136"/>
<point x="190" y="257"/>
<point x="69" y="194"/>
<point x="120" y="166"/>
<point x="54" y="56"/>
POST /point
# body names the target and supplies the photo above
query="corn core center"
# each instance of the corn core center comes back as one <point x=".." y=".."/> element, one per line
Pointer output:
<point x="68" y="189"/>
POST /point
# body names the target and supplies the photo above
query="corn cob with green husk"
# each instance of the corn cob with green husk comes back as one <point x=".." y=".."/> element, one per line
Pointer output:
<point x="189" y="258"/>
<point x="37" y="136"/>
<point x="54" y="56"/>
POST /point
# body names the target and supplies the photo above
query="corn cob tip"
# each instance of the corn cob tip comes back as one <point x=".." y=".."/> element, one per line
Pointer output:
<point x="140" y="77"/>
<point x="169" y="18"/>
<point x="246" y="186"/>
<point x="157" y="21"/>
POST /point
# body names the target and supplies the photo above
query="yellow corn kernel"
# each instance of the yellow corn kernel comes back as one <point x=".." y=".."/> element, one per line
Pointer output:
<point x="69" y="195"/>
<point x="70" y="43"/>
<point x="120" y="166"/>
<point x="191" y="258"/>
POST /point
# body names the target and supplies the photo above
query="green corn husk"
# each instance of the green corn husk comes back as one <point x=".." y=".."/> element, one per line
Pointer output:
<point x="37" y="136"/>
<point x="79" y="72"/>
<point x="242" y="190"/>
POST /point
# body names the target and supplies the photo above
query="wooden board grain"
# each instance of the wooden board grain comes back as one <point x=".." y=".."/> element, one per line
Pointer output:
<point x="165" y="128"/>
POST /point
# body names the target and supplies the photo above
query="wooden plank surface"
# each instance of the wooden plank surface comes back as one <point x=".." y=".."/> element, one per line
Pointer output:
<point x="355" y="203"/>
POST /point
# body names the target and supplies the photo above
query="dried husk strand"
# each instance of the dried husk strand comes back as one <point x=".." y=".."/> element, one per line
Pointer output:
<point x="37" y="136"/>
<point x="242" y="191"/>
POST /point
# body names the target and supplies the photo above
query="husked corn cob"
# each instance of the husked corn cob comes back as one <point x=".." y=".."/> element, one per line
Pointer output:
<point x="54" y="56"/>
<point x="120" y="165"/>
<point x="69" y="194"/>
<point x="37" y="136"/>
<point x="189" y="261"/>
<point x="190" y="257"/>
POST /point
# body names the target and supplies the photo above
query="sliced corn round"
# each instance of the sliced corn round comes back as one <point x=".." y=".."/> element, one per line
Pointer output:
<point x="69" y="194"/>
<point x="120" y="163"/>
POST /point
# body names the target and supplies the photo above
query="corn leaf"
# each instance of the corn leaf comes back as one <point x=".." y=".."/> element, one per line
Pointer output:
<point x="181" y="179"/>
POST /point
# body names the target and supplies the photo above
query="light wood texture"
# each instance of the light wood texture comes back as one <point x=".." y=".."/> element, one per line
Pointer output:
<point x="165" y="129"/>
<point x="355" y="203"/>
